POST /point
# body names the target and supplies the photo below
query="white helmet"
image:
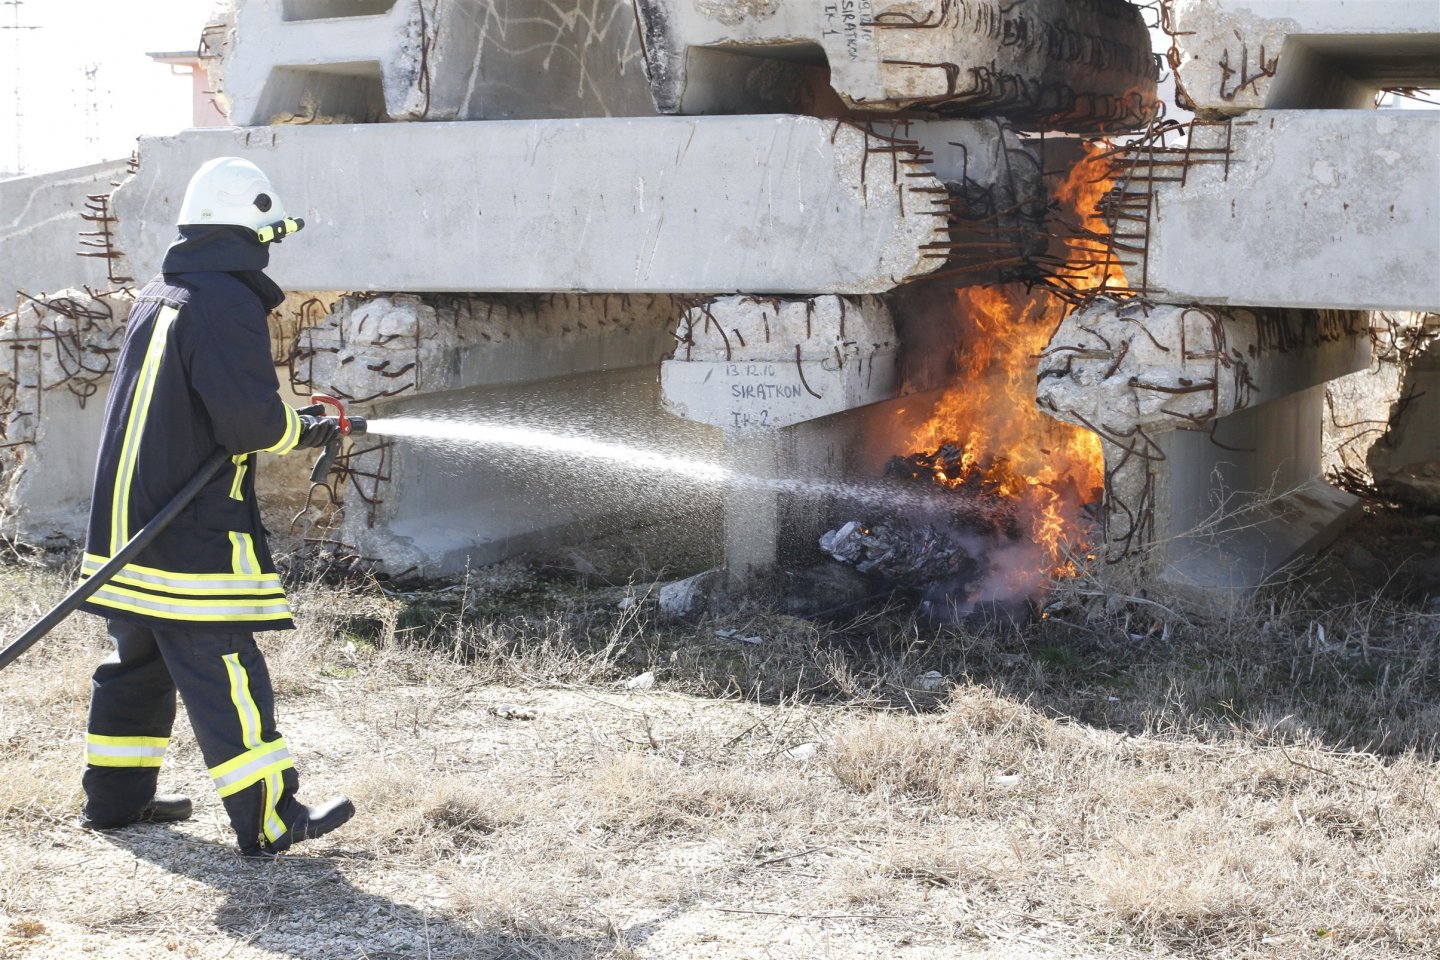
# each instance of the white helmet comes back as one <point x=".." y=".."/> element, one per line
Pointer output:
<point x="229" y="190"/>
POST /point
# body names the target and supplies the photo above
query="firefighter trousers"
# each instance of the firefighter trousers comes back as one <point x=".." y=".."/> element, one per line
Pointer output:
<point x="222" y="678"/>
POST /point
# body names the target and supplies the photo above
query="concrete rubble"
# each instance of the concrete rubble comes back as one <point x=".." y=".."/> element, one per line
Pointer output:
<point x="524" y="275"/>
<point x="1311" y="208"/>
<point x="59" y="352"/>
<point x="1051" y="64"/>
<point x="317" y="60"/>
<point x="776" y="204"/>
<point x="1231" y="56"/>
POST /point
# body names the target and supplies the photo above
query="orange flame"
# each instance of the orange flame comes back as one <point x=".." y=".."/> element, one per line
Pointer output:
<point x="1052" y="469"/>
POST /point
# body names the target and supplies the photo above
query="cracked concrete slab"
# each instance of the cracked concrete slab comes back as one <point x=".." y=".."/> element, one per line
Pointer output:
<point x="1051" y="64"/>
<point x="357" y="61"/>
<point x="374" y="348"/>
<point x="41" y="222"/>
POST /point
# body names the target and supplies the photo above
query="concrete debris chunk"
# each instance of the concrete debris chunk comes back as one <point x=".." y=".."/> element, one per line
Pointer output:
<point x="1210" y="424"/>
<point x="62" y="350"/>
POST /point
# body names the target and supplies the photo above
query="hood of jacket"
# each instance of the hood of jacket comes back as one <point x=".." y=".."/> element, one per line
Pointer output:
<point x="224" y="249"/>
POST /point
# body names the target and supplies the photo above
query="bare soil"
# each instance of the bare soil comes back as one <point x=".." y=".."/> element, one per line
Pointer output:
<point x="546" y="769"/>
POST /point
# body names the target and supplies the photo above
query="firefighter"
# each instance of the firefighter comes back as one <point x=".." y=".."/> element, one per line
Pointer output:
<point x="195" y="375"/>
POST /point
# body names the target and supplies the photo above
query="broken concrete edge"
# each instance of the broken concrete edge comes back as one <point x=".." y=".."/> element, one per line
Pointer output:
<point x="1233" y="56"/>
<point x="1405" y="461"/>
<point x="1329" y="209"/>
<point x="1121" y="366"/>
<point x="52" y="401"/>
<point x="55" y="231"/>
<point x="429" y="224"/>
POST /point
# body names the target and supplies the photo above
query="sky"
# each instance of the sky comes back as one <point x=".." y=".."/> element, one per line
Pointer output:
<point x="79" y="89"/>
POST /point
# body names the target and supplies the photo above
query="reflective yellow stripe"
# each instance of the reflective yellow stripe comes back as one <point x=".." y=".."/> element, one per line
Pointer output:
<point x="274" y="827"/>
<point x="251" y="767"/>
<point x="242" y="554"/>
<point x="103" y="751"/>
<point x="172" y="582"/>
<point x="262" y="762"/>
<point x="175" y="608"/>
<point x="236" y="485"/>
<point x="244" y="702"/>
<point x="135" y="428"/>
<point x="291" y="436"/>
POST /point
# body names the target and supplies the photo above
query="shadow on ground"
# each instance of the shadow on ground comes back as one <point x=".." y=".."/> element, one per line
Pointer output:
<point x="304" y="907"/>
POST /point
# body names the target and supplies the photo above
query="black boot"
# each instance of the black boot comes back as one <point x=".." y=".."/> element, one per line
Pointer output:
<point x="162" y="808"/>
<point x="312" y="822"/>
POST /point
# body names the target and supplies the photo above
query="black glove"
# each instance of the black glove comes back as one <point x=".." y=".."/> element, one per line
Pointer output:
<point x="317" y="431"/>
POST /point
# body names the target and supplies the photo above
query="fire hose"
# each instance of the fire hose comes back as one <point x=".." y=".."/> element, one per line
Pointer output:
<point x="152" y="529"/>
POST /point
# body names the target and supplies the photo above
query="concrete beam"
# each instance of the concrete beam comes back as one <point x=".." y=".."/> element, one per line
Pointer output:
<point x="1211" y="422"/>
<point x="41" y="222"/>
<point x="371" y="60"/>
<point x="1314" y="208"/>
<point x="752" y="363"/>
<point x="1053" y="64"/>
<point x="1236" y="55"/>
<point x="373" y="348"/>
<point x="778" y="204"/>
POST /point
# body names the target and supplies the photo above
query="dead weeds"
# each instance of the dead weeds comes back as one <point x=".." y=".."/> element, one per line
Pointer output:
<point x="1123" y="778"/>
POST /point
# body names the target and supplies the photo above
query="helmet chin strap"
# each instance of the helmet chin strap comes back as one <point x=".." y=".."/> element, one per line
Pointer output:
<point x="280" y="229"/>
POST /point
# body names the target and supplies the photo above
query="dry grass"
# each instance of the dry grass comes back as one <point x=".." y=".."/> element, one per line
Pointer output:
<point x="1120" y="780"/>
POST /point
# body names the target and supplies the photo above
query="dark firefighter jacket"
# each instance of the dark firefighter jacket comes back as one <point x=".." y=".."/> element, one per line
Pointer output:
<point x="195" y="374"/>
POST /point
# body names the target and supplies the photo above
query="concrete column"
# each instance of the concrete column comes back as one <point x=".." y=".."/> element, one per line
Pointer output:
<point x="1231" y="56"/>
<point x="775" y="375"/>
<point x="1292" y="208"/>
<point x="1057" y="64"/>
<point x="1211" y="426"/>
<point x="372" y="60"/>
<point x="778" y="204"/>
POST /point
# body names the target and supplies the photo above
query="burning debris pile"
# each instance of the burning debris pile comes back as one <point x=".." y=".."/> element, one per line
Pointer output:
<point x="975" y="546"/>
<point x="1016" y="493"/>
